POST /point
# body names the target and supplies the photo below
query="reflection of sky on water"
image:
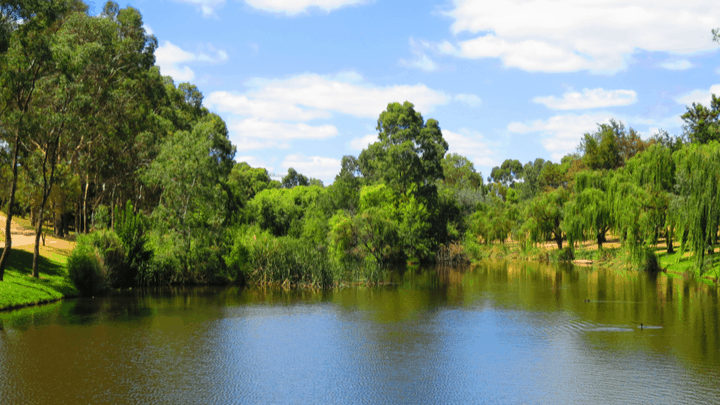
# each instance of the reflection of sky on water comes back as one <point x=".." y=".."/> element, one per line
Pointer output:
<point x="494" y="335"/>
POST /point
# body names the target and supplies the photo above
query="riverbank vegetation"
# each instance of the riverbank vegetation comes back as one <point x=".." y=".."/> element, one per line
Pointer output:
<point x="96" y="142"/>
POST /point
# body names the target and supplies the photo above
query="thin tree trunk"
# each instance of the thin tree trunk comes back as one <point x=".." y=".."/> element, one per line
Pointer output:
<point x="85" y="198"/>
<point x="36" y="252"/>
<point x="13" y="188"/>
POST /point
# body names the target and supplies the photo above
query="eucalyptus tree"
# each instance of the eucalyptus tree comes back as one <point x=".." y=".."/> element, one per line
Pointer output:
<point x="702" y="124"/>
<point x="27" y="59"/>
<point x="188" y="223"/>
<point x="409" y="152"/>
<point x="345" y="190"/>
<point x="407" y="158"/>
<point x="507" y="174"/>
<point x="294" y="179"/>
<point x="530" y="185"/>
<point x="123" y="129"/>
<point x="464" y="184"/>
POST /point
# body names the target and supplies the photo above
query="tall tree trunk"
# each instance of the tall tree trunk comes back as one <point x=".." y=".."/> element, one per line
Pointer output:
<point x="38" y="233"/>
<point x="85" y="198"/>
<point x="600" y="240"/>
<point x="8" y="221"/>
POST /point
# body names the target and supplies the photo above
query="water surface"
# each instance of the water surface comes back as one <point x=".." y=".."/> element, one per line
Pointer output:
<point x="493" y="333"/>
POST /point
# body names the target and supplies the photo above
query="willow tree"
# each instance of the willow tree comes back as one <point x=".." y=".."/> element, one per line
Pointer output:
<point x="588" y="213"/>
<point x="545" y="214"/>
<point x="654" y="170"/>
<point x="698" y="179"/>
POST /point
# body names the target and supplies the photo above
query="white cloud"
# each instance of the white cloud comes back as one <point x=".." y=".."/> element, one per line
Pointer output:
<point x="363" y="142"/>
<point x="561" y="134"/>
<point x="322" y="168"/>
<point x="311" y="96"/>
<point x="294" y="7"/>
<point x="207" y="7"/>
<point x="472" y="146"/>
<point x="280" y="131"/>
<point x="572" y="35"/>
<point x="469" y="99"/>
<point x="172" y="59"/>
<point x="589" y="98"/>
<point x="148" y="30"/>
<point x="682" y="64"/>
<point x="254" y="161"/>
<point x="700" y="96"/>
<point x="421" y="61"/>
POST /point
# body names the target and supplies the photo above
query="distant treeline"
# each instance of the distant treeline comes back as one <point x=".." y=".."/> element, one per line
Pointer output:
<point x="94" y="138"/>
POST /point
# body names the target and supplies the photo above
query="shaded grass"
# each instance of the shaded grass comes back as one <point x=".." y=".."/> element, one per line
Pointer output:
<point x="20" y="289"/>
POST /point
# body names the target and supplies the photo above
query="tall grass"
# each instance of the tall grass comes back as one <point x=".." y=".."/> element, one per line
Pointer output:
<point x="259" y="258"/>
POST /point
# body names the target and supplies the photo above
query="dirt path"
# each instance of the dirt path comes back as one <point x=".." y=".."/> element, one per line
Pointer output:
<point x="26" y="237"/>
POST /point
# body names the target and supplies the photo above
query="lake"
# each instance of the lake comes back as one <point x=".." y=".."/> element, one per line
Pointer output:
<point x="501" y="332"/>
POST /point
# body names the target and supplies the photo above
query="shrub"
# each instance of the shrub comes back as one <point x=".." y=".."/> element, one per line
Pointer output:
<point x="86" y="270"/>
<point x="131" y="229"/>
<point x="107" y="249"/>
<point x="566" y="254"/>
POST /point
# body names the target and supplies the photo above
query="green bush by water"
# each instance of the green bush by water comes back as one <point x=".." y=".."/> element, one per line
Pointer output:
<point x="98" y="262"/>
<point x="86" y="270"/>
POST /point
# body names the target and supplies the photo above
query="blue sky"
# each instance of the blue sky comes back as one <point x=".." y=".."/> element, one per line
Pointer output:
<point x="302" y="82"/>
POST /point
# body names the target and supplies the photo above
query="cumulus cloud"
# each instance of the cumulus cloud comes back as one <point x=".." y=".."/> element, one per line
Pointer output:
<point x="469" y="99"/>
<point x="207" y="7"/>
<point x="172" y="60"/>
<point x="254" y="161"/>
<point x="421" y="61"/>
<point x="473" y="146"/>
<point x="561" y="134"/>
<point x="700" y="96"/>
<point x="280" y="131"/>
<point x="683" y="64"/>
<point x="322" y="168"/>
<point x="295" y="7"/>
<point x="573" y="35"/>
<point x="363" y="142"/>
<point x="311" y="96"/>
<point x="589" y="98"/>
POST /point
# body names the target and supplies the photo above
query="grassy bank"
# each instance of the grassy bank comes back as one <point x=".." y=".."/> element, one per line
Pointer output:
<point x="20" y="289"/>
<point x="612" y="256"/>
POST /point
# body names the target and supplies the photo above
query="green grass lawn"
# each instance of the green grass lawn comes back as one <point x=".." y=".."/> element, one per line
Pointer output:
<point x="20" y="289"/>
<point x="675" y="263"/>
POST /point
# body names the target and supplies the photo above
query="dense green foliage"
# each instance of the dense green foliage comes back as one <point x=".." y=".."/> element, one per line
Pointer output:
<point x="109" y="145"/>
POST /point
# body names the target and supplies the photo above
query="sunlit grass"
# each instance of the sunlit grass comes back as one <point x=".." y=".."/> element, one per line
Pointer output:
<point x="19" y="288"/>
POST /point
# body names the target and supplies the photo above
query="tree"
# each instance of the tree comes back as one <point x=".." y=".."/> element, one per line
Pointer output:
<point x="188" y="222"/>
<point x="589" y="210"/>
<point x="507" y="174"/>
<point x="27" y="59"/>
<point x="545" y="214"/>
<point x="345" y="190"/>
<point x="409" y="151"/>
<point x="245" y="182"/>
<point x="610" y="146"/>
<point x="702" y="124"/>
<point x="294" y="179"/>
<point x="698" y="178"/>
